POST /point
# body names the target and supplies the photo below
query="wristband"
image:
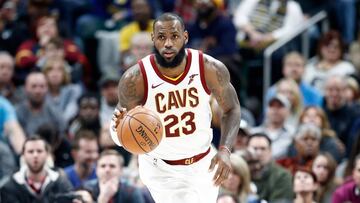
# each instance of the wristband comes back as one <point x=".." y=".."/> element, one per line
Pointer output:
<point x="226" y="148"/>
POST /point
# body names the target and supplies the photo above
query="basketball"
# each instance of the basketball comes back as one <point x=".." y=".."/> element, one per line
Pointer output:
<point x="140" y="131"/>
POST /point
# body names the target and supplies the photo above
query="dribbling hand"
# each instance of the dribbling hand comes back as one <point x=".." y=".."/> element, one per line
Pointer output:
<point x="222" y="160"/>
<point x="118" y="114"/>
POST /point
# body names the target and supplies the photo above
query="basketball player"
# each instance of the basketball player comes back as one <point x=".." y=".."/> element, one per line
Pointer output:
<point x="177" y="83"/>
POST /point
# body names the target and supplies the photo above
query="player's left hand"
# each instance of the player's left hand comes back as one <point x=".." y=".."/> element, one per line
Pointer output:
<point x="222" y="160"/>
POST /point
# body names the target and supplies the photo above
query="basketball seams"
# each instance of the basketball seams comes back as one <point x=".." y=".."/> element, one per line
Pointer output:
<point x="131" y="130"/>
<point x="144" y="123"/>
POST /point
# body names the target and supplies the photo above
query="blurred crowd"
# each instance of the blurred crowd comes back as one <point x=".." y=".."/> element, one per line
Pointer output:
<point x="60" y="62"/>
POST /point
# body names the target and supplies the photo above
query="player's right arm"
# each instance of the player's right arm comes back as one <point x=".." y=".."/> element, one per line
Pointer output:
<point x="131" y="94"/>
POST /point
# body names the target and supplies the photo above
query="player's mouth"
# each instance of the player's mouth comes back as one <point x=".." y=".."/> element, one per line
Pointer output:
<point x="169" y="54"/>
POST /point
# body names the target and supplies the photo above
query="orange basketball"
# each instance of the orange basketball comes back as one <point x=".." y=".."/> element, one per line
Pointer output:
<point x="140" y="131"/>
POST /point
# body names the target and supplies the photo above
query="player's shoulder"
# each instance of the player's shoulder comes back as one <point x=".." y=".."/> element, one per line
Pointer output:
<point x="132" y="73"/>
<point x="212" y="64"/>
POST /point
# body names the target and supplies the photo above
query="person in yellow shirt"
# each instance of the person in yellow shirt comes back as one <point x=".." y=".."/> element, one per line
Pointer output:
<point x="143" y="22"/>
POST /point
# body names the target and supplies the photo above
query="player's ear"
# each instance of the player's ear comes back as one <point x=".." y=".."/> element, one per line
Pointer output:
<point x="152" y="36"/>
<point x="186" y="35"/>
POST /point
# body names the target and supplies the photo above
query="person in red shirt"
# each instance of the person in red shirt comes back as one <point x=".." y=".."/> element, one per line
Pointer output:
<point x="31" y="50"/>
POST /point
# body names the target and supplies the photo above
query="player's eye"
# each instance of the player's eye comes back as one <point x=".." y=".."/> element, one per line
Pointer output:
<point x="161" y="37"/>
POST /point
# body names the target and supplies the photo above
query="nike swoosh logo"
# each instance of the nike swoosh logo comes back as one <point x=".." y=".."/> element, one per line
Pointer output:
<point x="155" y="86"/>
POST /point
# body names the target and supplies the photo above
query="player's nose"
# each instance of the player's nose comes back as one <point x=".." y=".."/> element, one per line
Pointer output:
<point x="168" y="43"/>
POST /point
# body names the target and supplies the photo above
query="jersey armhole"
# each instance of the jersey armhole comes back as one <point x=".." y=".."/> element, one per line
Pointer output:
<point x="202" y="73"/>
<point x="143" y="72"/>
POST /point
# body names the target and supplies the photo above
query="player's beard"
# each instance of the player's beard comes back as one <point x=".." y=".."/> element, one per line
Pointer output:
<point x="170" y="64"/>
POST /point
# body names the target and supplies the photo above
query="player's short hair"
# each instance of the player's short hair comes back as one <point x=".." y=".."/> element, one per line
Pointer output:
<point x="35" y="138"/>
<point x="169" y="17"/>
<point x="112" y="152"/>
<point x="260" y="135"/>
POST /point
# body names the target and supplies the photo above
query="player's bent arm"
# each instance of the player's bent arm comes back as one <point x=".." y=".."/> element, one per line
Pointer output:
<point x="131" y="94"/>
<point x="218" y="81"/>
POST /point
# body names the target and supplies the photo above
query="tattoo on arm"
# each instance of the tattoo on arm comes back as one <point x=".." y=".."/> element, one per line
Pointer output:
<point x="127" y="90"/>
<point x="220" y="77"/>
<point x="220" y="83"/>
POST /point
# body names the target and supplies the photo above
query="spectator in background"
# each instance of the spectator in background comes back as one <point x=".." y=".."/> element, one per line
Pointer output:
<point x="61" y="94"/>
<point x="46" y="28"/>
<point x="185" y="9"/>
<point x="109" y="185"/>
<point x="352" y="91"/>
<point x="35" y="110"/>
<point x="109" y="90"/>
<point x="329" y="142"/>
<point x="290" y="89"/>
<point x="212" y="32"/>
<point x="341" y="116"/>
<point x="12" y="31"/>
<point x="293" y="68"/>
<point x="87" y="117"/>
<point x="253" y="161"/>
<point x="324" y="167"/>
<point x="273" y="182"/>
<point x="85" y="151"/>
<point x="307" y="141"/>
<point x="60" y="146"/>
<point x="305" y="185"/>
<point x="142" y="22"/>
<point x="274" y="126"/>
<point x="238" y="182"/>
<point x="7" y="87"/>
<point x="101" y="15"/>
<point x="54" y="50"/>
<point x="329" y="61"/>
<point x="141" y="46"/>
<point x="260" y="22"/>
<point x="35" y="182"/>
<point x="215" y="34"/>
<point x="350" y="190"/>
<point x="10" y="128"/>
